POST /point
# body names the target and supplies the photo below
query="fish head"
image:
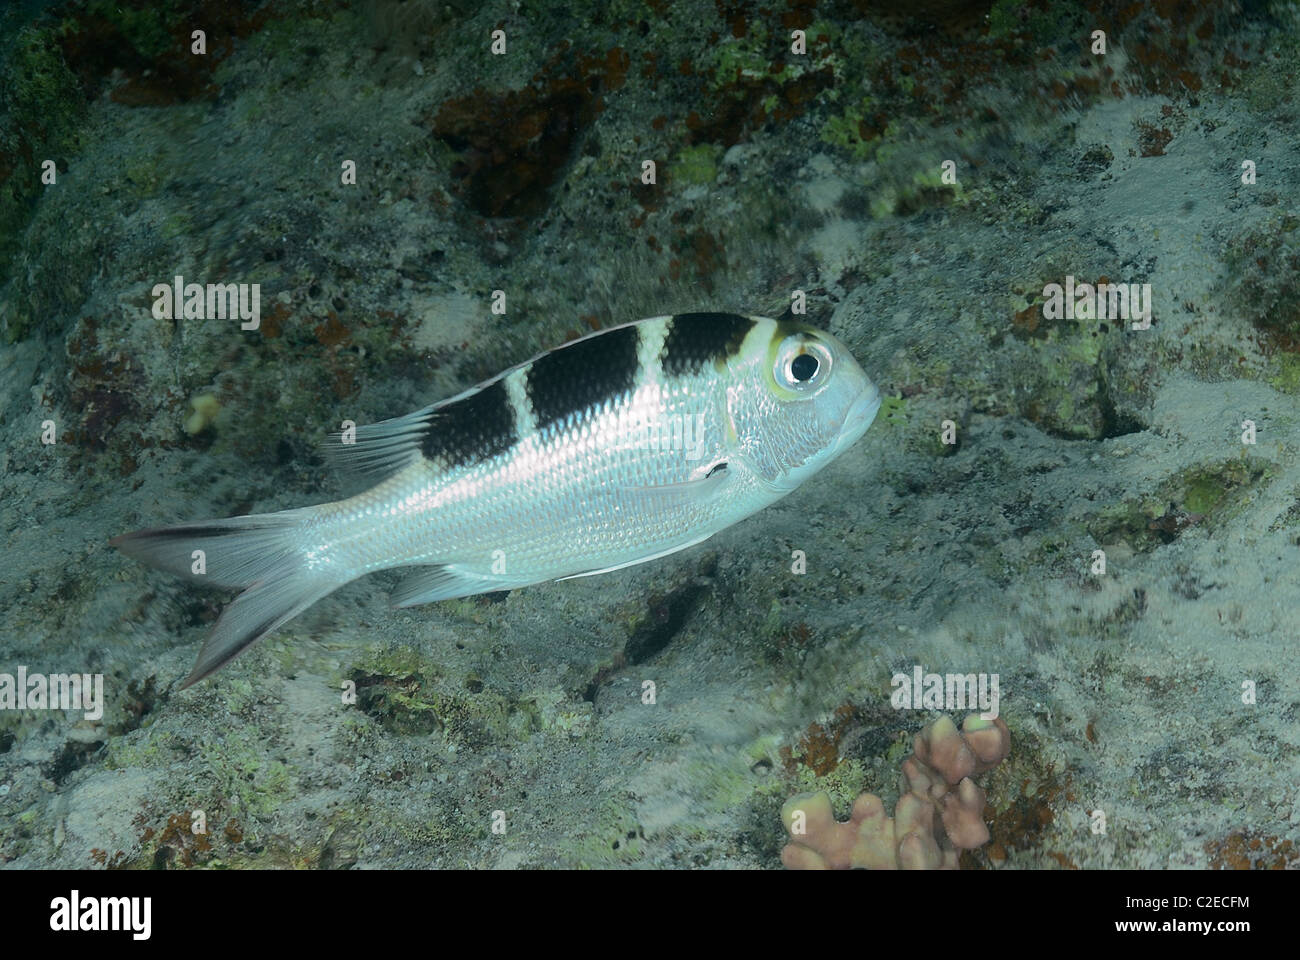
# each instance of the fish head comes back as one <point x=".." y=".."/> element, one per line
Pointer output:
<point x="800" y="401"/>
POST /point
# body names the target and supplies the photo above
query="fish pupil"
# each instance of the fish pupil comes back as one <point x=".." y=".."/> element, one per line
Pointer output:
<point x="804" y="367"/>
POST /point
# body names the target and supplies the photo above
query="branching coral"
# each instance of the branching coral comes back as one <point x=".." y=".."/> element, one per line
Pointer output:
<point x="939" y="814"/>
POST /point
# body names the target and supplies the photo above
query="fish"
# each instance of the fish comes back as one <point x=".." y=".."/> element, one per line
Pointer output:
<point x="614" y="449"/>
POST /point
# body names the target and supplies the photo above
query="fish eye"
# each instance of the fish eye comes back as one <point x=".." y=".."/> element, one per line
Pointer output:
<point x="802" y="364"/>
<point x="804" y="367"/>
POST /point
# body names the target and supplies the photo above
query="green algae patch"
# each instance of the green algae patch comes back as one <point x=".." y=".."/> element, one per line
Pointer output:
<point x="1213" y="490"/>
<point x="924" y="191"/>
<point x="1063" y="383"/>
<point x="143" y="749"/>
<point x="251" y="782"/>
<point x="1201" y="496"/>
<point x="750" y="59"/>
<point x="842" y="784"/>
<point x="1046" y="23"/>
<point x="696" y="166"/>
<point x="615" y="839"/>
<point x="849" y="130"/>
<point x="393" y="688"/>
<point x="409" y="695"/>
<point x="743" y="58"/>
<point x="40" y="113"/>
<point x="552" y="711"/>
<point x="1286" y="378"/>
<point x="893" y="411"/>
<point x="1070" y="376"/>
<point x="146" y="28"/>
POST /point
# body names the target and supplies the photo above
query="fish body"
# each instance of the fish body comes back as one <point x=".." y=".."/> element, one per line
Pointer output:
<point x="617" y="448"/>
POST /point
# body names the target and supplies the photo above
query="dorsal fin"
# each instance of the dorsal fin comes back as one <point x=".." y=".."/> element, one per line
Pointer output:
<point x="483" y="421"/>
<point x="471" y="426"/>
<point x="379" y="450"/>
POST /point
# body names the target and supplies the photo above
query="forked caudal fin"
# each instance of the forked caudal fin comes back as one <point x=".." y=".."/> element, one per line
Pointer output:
<point x="260" y="554"/>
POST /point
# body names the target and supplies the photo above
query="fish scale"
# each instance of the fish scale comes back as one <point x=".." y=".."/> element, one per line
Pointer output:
<point x="580" y="481"/>
<point x="615" y="449"/>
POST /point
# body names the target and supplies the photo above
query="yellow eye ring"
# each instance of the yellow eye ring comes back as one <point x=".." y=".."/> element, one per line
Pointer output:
<point x="802" y="366"/>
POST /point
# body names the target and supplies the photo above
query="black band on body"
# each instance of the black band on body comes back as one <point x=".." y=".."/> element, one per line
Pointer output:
<point x="696" y="340"/>
<point x="583" y="375"/>
<point x="472" y="429"/>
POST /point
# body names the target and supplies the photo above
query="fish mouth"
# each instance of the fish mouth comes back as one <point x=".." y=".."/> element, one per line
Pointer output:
<point x="859" y="416"/>
<point x="863" y="411"/>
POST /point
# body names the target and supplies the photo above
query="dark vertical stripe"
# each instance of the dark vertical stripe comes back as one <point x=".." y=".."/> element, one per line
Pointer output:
<point x="473" y="429"/>
<point x="696" y="340"/>
<point x="583" y="374"/>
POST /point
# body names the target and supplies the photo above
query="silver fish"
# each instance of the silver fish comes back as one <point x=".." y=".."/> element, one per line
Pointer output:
<point x="620" y="447"/>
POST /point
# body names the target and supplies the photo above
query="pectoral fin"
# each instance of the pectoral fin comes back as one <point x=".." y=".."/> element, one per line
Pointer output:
<point x="709" y="483"/>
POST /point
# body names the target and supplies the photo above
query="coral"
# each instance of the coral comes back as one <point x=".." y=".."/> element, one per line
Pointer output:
<point x="205" y="407"/>
<point x="937" y="784"/>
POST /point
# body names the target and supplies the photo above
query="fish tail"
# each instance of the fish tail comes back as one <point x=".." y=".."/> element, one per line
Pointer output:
<point x="261" y="554"/>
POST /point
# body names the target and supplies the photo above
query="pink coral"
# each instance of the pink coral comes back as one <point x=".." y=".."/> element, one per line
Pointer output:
<point x="939" y="814"/>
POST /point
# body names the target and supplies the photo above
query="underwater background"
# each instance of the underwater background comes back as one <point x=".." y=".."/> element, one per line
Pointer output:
<point x="1151" y="699"/>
